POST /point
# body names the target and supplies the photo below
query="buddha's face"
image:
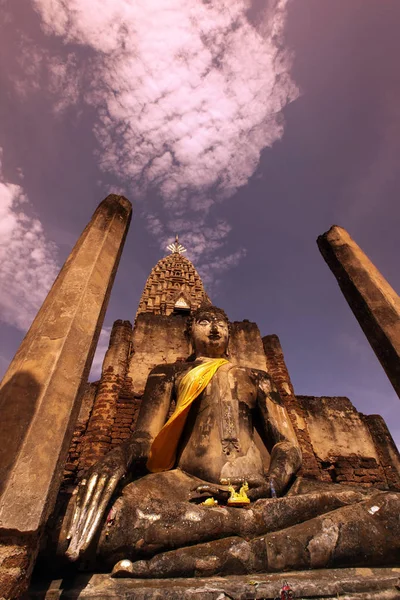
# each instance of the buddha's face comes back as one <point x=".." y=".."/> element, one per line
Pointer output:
<point x="210" y="335"/>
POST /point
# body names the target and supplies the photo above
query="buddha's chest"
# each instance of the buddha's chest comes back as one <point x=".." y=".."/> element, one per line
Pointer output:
<point x="233" y="385"/>
<point x="230" y="384"/>
<point x="219" y="425"/>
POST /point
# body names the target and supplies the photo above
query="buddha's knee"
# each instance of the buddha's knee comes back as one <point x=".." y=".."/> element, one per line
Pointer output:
<point x="364" y="533"/>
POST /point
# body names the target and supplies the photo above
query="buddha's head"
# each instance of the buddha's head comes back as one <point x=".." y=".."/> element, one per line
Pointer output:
<point x="208" y="328"/>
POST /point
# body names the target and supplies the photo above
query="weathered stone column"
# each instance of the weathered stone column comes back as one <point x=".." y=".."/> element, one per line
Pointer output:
<point x="373" y="301"/>
<point x="97" y="439"/>
<point x="41" y="392"/>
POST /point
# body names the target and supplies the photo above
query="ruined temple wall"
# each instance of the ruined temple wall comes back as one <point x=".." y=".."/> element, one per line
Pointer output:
<point x="342" y="441"/>
<point x="97" y="440"/>
<point x="277" y="368"/>
<point x="71" y="465"/>
<point x="157" y="339"/>
<point x="387" y="451"/>
<point x="245" y="345"/>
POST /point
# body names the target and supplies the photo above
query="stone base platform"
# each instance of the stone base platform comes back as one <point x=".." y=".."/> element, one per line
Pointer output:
<point x="343" y="584"/>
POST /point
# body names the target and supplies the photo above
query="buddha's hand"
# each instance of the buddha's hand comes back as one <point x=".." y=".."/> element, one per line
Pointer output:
<point x="259" y="487"/>
<point x="269" y="486"/>
<point x="208" y="490"/>
<point x="91" y="497"/>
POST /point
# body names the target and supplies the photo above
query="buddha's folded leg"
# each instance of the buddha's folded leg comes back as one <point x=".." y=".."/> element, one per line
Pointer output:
<point x="232" y="555"/>
<point x="141" y="531"/>
<point x="153" y="516"/>
<point x="280" y="513"/>
<point x="363" y="534"/>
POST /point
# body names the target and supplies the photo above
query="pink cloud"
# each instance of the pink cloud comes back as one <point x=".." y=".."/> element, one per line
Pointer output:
<point x="187" y="93"/>
<point x="28" y="263"/>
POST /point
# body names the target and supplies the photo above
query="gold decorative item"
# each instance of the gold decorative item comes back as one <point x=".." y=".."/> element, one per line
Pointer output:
<point x="210" y="502"/>
<point x="239" y="498"/>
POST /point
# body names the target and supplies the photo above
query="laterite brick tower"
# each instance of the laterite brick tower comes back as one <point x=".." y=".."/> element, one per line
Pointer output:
<point x="338" y="443"/>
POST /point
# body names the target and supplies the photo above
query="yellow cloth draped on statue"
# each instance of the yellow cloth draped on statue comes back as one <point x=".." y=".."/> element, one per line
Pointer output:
<point x="162" y="454"/>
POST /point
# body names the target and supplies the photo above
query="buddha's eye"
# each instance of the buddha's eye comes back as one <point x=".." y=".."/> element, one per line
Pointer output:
<point x="204" y="322"/>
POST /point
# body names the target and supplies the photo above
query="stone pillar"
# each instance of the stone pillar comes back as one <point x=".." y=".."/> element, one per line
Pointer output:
<point x="276" y="367"/>
<point x="41" y="392"/>
<point x="98" y="437"/>
<point x="373" y="301"/>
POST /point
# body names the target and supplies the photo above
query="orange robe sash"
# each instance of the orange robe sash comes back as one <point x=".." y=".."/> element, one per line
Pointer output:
<point x="163" y="450"/>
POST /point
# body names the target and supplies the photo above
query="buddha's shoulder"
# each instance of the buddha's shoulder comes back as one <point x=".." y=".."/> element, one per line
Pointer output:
<point x="256" y="374"/>
<point x="171" y="370"/>
<point x="261" y="379"/>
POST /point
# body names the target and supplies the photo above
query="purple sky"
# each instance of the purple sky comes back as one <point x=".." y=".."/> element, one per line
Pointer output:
<point x="249" y="128"/>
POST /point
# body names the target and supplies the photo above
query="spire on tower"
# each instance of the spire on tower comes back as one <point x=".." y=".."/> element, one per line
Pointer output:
<point x="173" y="286"/>
<point x="176" y="247"/>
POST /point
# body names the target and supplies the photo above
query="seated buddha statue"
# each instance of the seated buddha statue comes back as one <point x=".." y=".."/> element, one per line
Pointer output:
<point x="161" y="524"/>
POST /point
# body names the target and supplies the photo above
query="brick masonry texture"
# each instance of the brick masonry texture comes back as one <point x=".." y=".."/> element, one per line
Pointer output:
<point x="110" y="419"/>
<point x="276" y="366"/>
<point x="388" y="454"/>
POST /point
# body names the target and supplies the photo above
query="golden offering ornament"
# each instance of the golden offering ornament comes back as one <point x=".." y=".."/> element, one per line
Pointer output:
<point x="210" y="502"/>
<point x="239" y="498"/>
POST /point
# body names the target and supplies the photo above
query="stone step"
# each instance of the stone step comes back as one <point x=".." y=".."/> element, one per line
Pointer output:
<point x="344" y="584"/>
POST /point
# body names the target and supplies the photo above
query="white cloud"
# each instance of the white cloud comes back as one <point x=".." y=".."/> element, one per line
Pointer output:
<point x="28" y="263"/>
<point x="187" y="93"/>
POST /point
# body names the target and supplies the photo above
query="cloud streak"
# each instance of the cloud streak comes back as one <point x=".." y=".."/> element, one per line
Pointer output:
<point x="28" y="264"/>
<point x="187" y="94"/>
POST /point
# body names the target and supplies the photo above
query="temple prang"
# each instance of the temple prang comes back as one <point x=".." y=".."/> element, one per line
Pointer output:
<point x="338" y="444"/>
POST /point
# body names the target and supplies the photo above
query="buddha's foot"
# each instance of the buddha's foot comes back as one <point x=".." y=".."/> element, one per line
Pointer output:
<point x="230" y="556"/>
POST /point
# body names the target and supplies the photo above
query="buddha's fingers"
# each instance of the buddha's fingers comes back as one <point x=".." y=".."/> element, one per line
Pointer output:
<point x="92" y="510"/>
<point x="82" y="504"/>
<point x="220" y="493"/>
<point x="207" y="489"/>
<point x="75" y="512"/>
<point x="86" y="502"/>
<point x="78" y="494"/>
<point x="108" y="491"/>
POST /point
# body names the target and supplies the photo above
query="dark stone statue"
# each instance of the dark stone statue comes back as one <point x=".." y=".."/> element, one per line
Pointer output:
<point x="162" y="524"/>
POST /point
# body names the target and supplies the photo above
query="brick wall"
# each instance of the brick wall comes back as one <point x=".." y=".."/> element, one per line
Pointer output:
<point x="98" y="437"/>
<point x="342" y="442"/>
<point x="72" y="463"/>
<point x="388" y="453"/>
<point x="276" y="367"/>
<point x="17" y="558"/>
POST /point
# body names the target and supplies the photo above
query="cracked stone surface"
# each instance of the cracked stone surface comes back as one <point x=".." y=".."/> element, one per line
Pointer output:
<point x="346" y="584"/>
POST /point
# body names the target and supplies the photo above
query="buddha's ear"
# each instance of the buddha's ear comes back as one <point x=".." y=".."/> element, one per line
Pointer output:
<point x="190" y="340"/>
<point x="228" y="348"/>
